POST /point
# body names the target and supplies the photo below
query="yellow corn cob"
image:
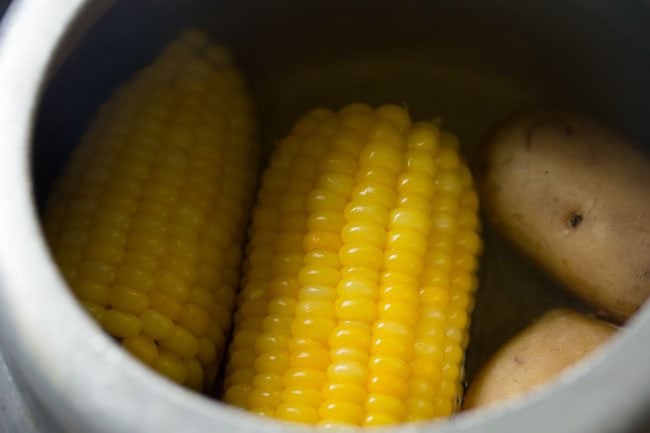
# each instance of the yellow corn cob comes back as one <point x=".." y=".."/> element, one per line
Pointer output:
<point x="147" y="219"/>
<point x="359" y="274"/>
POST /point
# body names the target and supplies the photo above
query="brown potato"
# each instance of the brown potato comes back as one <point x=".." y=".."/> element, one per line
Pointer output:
<point x="575" y="197"/>
<point x="536" y="356"/>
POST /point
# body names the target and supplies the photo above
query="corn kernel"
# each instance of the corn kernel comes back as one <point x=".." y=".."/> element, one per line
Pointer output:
<point x="156" y="325"/>
<point x="385" y="404"/>
<point x="91" y="291"/>
<point x="128" y="300"/>
<point x="120" y="324"/>
<point x="142" y="348"/>
<point x="341" y="411"/>
<point x="305" y="395"/>
<point x="170" y="366"/>
<point x="297" y="412"/>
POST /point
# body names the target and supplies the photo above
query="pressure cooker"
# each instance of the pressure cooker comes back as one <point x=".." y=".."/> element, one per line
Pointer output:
<point x="474" y="61"/>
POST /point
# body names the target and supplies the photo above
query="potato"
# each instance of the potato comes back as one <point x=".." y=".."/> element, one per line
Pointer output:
<point x="575" y="197"/>
<point x="536" y="356"/>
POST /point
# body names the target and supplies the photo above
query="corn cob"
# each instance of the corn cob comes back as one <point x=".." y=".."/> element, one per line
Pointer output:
<point x="147" y="220"/>
<point x="359" y="274"/>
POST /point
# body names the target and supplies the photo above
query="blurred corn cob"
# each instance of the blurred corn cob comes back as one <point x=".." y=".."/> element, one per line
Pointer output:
<point x="147" y="219"/>
<point x="359" y="274"/>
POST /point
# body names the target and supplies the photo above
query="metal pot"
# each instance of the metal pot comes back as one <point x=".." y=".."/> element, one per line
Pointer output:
<point x="477" y="61"/>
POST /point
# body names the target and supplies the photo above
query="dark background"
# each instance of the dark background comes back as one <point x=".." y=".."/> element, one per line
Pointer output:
<point x="3" y="6"/>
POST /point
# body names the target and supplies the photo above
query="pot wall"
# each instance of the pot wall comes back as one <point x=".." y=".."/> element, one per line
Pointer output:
<point x="469" y="62"/>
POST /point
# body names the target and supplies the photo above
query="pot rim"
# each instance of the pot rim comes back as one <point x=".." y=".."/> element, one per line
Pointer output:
<point x="41" y="325"/>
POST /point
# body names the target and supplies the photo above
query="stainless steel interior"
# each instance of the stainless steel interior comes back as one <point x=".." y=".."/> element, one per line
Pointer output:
<point x="470" y="63"/>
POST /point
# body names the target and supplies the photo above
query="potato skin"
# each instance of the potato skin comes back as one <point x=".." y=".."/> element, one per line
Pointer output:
<point x="536" y="356"/>
<point x="575" y="197"/>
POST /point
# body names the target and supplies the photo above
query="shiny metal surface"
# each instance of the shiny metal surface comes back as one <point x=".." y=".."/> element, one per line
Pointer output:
<point x="78" y="376"/>
<point x="17" y="413"/>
